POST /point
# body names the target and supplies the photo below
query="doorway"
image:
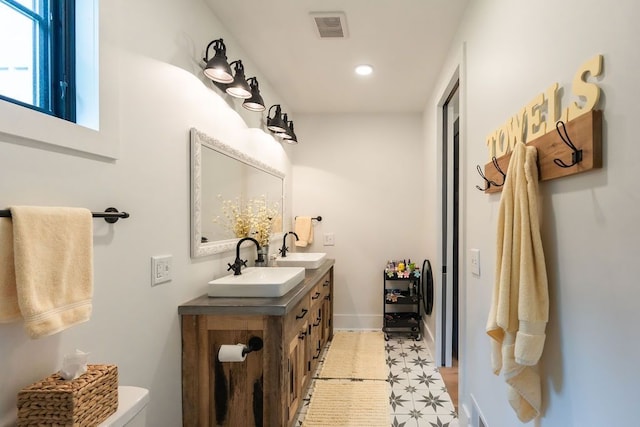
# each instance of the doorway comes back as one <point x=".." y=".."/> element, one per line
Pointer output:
<point x="450" y="228"/>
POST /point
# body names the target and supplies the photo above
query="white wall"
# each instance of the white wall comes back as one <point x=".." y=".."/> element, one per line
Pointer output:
<point x="513" y="51"/>
<point x="364" y="175"/>
<point x="368" y="178"/>
<point x="157" y="49"/>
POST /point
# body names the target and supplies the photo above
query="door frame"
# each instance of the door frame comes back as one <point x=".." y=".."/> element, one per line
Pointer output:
<point x="448" y="234"/>
<point x="444" y="311"/>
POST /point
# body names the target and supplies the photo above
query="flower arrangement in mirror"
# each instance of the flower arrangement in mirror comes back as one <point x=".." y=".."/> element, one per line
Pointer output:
<point x="235" y="217"/>
<point x="263" y="217"/>
<point x="255" y="218"/>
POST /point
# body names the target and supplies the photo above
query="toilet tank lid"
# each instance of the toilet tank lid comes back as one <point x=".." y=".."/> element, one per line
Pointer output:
<point x="131" y="400"/>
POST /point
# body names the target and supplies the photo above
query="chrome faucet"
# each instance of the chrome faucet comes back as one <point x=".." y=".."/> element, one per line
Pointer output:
<point x="284" y="248"/>
<point x="239" y="263"/>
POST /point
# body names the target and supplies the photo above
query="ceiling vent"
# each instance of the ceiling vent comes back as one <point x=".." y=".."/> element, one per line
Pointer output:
<point x="330" y="25"/>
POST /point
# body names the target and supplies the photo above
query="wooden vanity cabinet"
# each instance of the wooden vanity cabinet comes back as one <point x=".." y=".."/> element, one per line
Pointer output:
<point x="321" y="314"/>
<point x="267" y="388"/>
<point x="297" y="341"/>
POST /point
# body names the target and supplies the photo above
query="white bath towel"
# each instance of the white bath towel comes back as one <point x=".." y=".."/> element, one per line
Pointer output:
<point x="9" y="309"/>
<point x="304" y="230"/>
<point x="520" y="306"/>
<point x="53" y="251"/>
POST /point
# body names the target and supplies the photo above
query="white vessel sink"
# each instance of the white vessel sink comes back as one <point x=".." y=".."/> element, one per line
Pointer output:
<point x="302" y="259"/>
<point x="257" y="282"/>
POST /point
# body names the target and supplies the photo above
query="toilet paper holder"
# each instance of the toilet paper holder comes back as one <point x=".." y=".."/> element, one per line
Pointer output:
<point x="254" y="344"/>
<point x="238" y="352"/>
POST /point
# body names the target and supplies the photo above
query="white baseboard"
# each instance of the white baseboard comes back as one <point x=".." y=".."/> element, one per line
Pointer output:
<point x="355" y="322"/>
<point x="427" y="332"/>
<point x="464" y="415"/>
<point x="429" y="338"/>
<point x="475" y="416"/>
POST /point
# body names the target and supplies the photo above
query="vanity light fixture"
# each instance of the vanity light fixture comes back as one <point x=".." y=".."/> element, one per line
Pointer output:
<point x="275" y="123"/>
<point x="287" y="132"/>
<point x="289" y="136"/>
<point x="255" y="102"/>
<point x="292" y="138"/>
<point x="239" y="88"/>
<point x="217" y="68"/>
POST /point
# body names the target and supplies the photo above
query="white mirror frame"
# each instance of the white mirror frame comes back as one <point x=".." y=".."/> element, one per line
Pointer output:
<point x="198" y="139"/>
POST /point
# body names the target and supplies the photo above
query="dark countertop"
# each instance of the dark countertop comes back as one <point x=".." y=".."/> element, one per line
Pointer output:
<point x="277" y="306"/>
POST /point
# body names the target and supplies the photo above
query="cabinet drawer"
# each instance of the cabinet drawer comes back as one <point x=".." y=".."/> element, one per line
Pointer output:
<point x="325" y="285"/>
<point x="296" y="318"/>
<point x="316" y="295"/>
<point x="320" y="291"/>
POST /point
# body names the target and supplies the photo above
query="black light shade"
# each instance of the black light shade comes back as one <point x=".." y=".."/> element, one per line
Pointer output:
<point x="286" y="134"/>
<point x="255" y="102"/>
<point x="275" y="123"/>
<point x="217" y="68"/>
<point x="291" y="135"/>
<point x="239" y="88"/>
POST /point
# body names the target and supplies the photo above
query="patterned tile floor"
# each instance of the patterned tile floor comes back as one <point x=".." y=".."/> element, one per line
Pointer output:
<point x="418" y="396"/>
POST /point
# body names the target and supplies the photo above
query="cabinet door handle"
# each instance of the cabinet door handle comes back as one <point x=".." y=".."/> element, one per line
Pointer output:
<point x="328" y="297"/>
<point x="317" y="356"/>
<point x="302" y="335"/>
<point x="318" y="320"/>
<point x="302" y="314"/>
<point x="316" y="295"/>
<point x="326" y="283"/>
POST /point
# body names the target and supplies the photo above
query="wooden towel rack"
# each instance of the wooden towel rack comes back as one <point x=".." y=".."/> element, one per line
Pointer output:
<point x="585" y="133"/>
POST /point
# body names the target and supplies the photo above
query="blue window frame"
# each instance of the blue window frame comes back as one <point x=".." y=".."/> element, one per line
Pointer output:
<point x="37" y="55"/>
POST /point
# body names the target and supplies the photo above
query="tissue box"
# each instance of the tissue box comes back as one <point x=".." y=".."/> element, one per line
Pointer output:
<point x="86" y="401"/>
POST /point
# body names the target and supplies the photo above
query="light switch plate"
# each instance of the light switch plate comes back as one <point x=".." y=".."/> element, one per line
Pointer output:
<point x="160" y="269"/>
<point x="329" y="239"/>
<point x="475" y="261"/>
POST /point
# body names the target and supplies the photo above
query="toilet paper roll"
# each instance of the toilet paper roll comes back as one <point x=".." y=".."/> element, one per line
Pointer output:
<point x="231" y="353"/>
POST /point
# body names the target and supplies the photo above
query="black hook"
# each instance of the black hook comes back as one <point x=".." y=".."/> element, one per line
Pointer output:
<point x="497" y="166"/>
<point x="576" y="155"/>
<point x="488" y="182"/>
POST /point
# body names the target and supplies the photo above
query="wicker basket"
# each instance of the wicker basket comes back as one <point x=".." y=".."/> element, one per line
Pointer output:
<point x="86" y="401"/>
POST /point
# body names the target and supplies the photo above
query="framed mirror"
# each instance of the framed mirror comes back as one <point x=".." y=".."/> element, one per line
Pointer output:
<point x="223" y="178"/>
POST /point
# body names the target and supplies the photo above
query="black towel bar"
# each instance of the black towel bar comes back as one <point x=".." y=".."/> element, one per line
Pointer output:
<point x="316" y="218"/>
<point x="111" y="215"/>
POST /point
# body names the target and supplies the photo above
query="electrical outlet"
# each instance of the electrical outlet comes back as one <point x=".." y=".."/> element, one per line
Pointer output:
<point x="161" y="269"/>
<point x="475" y="261"/>
<point x="329" y="239"/>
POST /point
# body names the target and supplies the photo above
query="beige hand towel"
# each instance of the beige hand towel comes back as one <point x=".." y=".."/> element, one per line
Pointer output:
<point x="53" y="250"/>
<point x="520" y="307"/>
<point x="304" y="230"/>
<point x="9" y="309"/>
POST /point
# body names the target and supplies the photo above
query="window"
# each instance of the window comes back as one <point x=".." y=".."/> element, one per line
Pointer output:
<point x="95" y="130"/>
<point x="37" y="55"/>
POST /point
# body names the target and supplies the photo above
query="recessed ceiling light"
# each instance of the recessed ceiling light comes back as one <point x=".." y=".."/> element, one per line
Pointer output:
<point x="364" y="70"/>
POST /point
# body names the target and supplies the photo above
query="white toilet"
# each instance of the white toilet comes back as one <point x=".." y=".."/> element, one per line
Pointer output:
<point x="132" y="408"/>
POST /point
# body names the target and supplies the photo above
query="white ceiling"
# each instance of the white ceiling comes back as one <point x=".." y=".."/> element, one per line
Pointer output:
<point x="404" y="40"/>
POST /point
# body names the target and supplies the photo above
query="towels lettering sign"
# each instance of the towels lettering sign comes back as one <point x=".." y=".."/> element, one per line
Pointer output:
<point x="540" y="115"/>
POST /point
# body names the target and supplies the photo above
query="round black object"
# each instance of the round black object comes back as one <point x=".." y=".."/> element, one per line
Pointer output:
<point x="255" y="344"/>
<point x="427" y="287"/>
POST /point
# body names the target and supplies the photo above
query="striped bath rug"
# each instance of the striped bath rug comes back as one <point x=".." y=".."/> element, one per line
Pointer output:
<point x="355" y="355"/>
<point x="347" y="403"/>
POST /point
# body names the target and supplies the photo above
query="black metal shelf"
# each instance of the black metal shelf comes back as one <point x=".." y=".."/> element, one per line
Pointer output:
<point x="401" y="297"/>
<point x="411" y="276"/>
<point x="406" y="296"/>
<point x="402" y="320"/>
